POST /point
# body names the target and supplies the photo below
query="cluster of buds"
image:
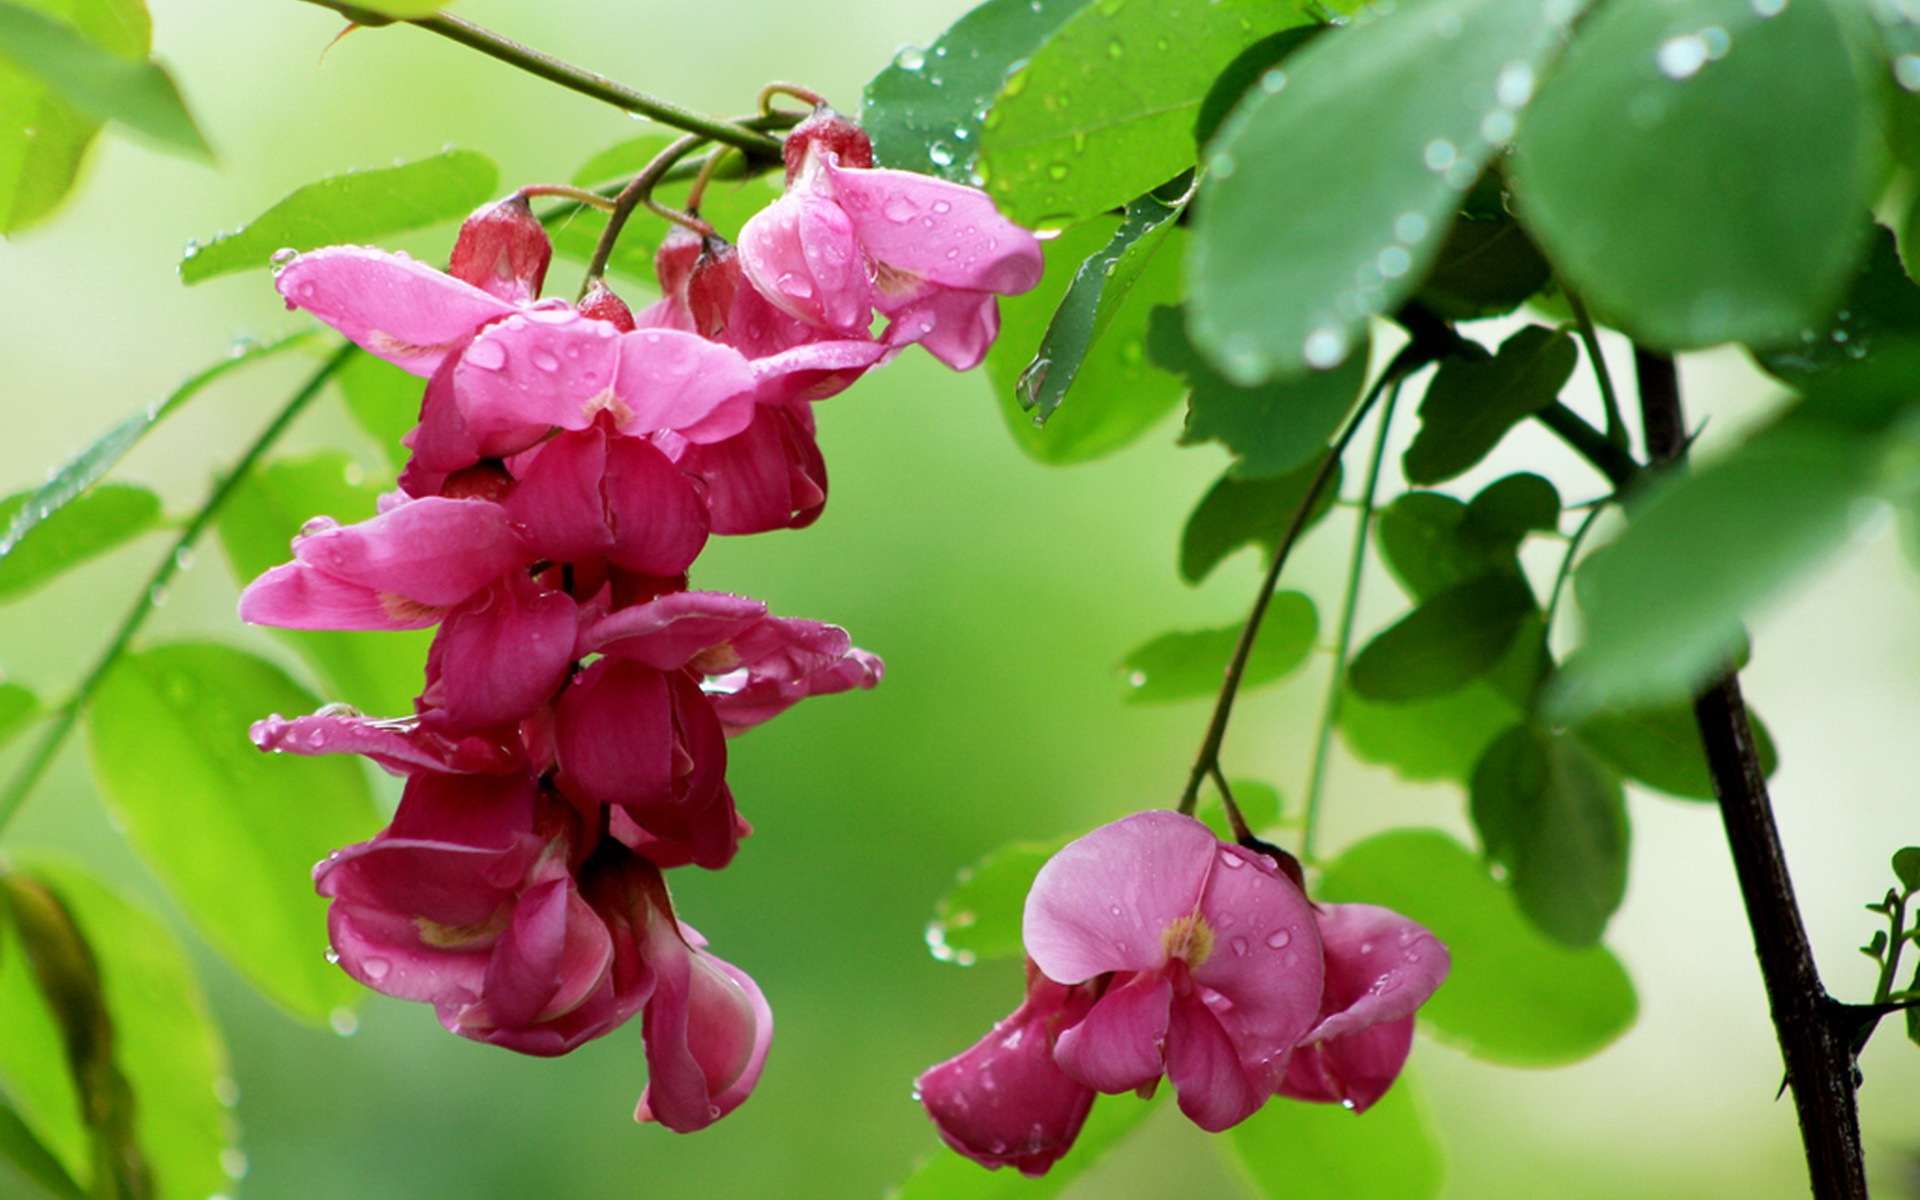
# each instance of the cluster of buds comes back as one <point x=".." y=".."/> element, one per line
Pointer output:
<point x="1154" y="949"/>
<point x="569" y="465"/>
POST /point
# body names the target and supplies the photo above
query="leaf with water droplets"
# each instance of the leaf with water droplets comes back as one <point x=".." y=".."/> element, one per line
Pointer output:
<point x="97" y="78"/>
<point x="1453" y="637"/>
<point x="93" y="524"/>
<point x="1304" y="1151"/>
<point x="1472" y="402"/>
<point x="1701" y="171"/>
<point x="232" y="832"/>
<point x="1283" y="278"/>
<point x="980" y="918"/>
<point x="1239" y="512"/>
<point x="1881" y="308"/>
<point x="1513" y="996"/>
<point x="1256" y="66"/>
<point x="359" y="206"/>
<point x="1188" y="665"/>
<point x="377" y="671"/>
<point x="1105" y="108"/>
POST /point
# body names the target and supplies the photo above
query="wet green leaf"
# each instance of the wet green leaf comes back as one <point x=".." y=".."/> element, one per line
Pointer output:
<point x="1251" y="66"/>
<point x="232" y="832"/>
<point x="1882" y="305"/>
<point x="28" y="1170"/>
<point x="1661" y="748"/>
<point x="1472" y="403"/>
<point x="93" y="524"/>
<point x="1304" y="1151"/>
<point x="97" y="81"/>
<point x="980" y="917"/>
<point x="947" y="1176"/>
<point x="1451" y="639"/>
<point x="1487" y="267"/>
<point x="1514" y="996"/>
<point x="1757" y="236"/>
<point x="1183" y="666"/>
<point x="43" y="138"/>
<point x="357" y="207"/>
<point x="1248" y="512"/>
<point x="1431" y="91"/>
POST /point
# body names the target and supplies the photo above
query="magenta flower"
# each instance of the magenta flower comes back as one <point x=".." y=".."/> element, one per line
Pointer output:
<point x="401" y="746"/>
<point x="1381" y="967"/>
<point x="1215" y="957"/>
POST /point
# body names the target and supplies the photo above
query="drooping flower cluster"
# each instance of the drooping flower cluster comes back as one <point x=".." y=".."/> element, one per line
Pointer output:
<point x="1154" y="949"/>
<point x="569" y="465"/>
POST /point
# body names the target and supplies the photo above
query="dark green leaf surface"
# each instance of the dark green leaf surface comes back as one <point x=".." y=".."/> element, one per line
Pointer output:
<point x="1105" y="108"/>
<point x="1182" y="666"/>
<point x="384" y="401"/>
<point x="1472" y="403"/>
<point x="1661" y="748"/>
<point x="1487" y="268"/>
<point x="947" y="1176"/>
<point x="1882" y="305"/>
<point x="378" y="671"/>
<point x="1246" y="512"/>
<point x="1906" y="865"/>
<point x="95" y="80"/>
<point x="1282" y="279"/>
<point x="1119" y="395"/>
<point x="1514" y="996"/>
<point x="980" y="917"/>
<point x="28" y="1170"/>
<point x="1700" y="171"/>
<point x="18" y="707"/>
<point x="1239" y="77"/>
<point x="92" y="524"/>
<point x="1556" y="818"/>
<point x="1304" y="1151"/>
<point x="623" y="159"/>
<point x="1432" y="542"/>
<point x="43" y="139"/>
<point x="924" y="112"/>
<point x="232" y="832"/>
<point x="1504" y="512"/>
<point x="1098" y="291"/>
<point x="1450" y="640"/>
<point x="357" y="207"/>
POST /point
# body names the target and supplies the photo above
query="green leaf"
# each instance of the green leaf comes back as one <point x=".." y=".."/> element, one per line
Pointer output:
<point x="1182" y="666"/>
<point x="980" y="917"/>
<point x="1394" y="116"/>
<point x="92" y="524"/>
<point x="232" y="833"/>
<point x="1119" y="395"/>
<point x="622" y="160"/>
<point x="377" y="671"/>
<point x="1906" y="865"/>
<point x="1450" y="640"/>
<point x="43" y="139"/>
<point x="1756" y="235"/>
<point x="1473" y="402"/>
<point x="1272" y="427"/>
<point x="97" y="82"/>
<point x="1105" y="108"/>
<point x="1098" y="291"/>
<point x="1254" y="65"/>
<point x="359" y="206"/>
<point x="384" y="401"/>
<point x="18" y="708"/>
<point x="1307" y="1151"/>
<point x="1882" y="305"/>
<point x="1661" y="748"/>
<point x="164" y="1039"/>
<point x="1663" y="603"/>
<point x="947" y="1176"/>
<point x="1245" y="512"/>
<point x="1556" y="818"/>
<point x="1507" y="510"/>
<point x="1487" y="267"/>
<point x="1259" y="806"/>
<point x="1513" y="996"/>
<point x="924" y="112"/>
<point x="28" y="1170"/>
<point x="1432" y="542"/>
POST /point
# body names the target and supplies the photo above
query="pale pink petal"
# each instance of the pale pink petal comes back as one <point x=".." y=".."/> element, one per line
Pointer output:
<point x="295" y="596"/>
<point x="400" y="746"/>
<point x="817" y="370"/>
<point x="536" y="371"/>
<point x="658" y="519"/>
<point x="1106" y="900"/>
<point x="1205" y="1069"/>
<point x="802" y="254"/>
<point x="680" y="381"/>
<point x="400" y="310"/>
<point x="1354" y="1070"/>
<point x="501" y="655"/>
<point x="945" y="232"/>
<point x="1119" y="1045"/>
<point x="955" y="326"/>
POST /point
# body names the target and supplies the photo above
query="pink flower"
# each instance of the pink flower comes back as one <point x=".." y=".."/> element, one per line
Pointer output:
<point x="1380" y="968"/>
<point x="503" y="250"/>
<point x="1005" y="1102"/>
<point x="401" y="746"/>
<point x="1215" y="957"/>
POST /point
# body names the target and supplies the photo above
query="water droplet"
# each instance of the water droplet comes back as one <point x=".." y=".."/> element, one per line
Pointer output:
<point x="1239" y="945"/>
<point x="345" y="1021"/>
<point x="280" y="257"/>
<point x="1906" y="71"/>
<point x="1115" y="49"/>
<point x="1324" y="348"/>
<point x="234" y="1163"/>
<point x="1366" y="947"/>
<point x="226" y="1090"/>
<point x="545" y="361"/>
<point x="1459" y="176"/>
<point x="1410" y="228"/>
<point x="158" y="595"/>
<point x="1348" y="1105"/>
<point x="486" y="354"/>
<point x="1222" y="166"/>
<point x="1057" y="171"/>
<point x="1514" y="87"/>
<point x="1394" y="262"/>
<point x="333" y="956"/>
<point x="1245" y="363"/>
<point x="376" y="968"/>
<point x="1681" y="57"/>
<point x="1439" y="154"/>
<point x="1028" y="386"/>
<point x="910" y="58"/>
<point x="1767" y="9"/>
<point x="1718" y="42"/>
<point x="1278" y="939"/>
<point x="1114" y="910"/>
<point x="1230" y="860"/>
<point x="940" y="155"/>
<point x="1137" y="679"/>
<point x="1496" y="128"/>
<point x="183" y="558"/>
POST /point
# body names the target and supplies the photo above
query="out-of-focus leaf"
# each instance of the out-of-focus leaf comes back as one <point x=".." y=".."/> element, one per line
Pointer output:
<point x="1756" y="236"/>
<point x="28" y="1170"/>
<point x="980" y="917"/>
<point x="1098" y="291"/>
<point x="624" y="158"/>
<point x="1271" y="428"/>
<point x="1906" y="866"/>
<point x="1244" y="512"/>
<point x="1513" y="996"/>
<point x="924" y="112"/>
<point x="1487" y="267"/>
<point x="1450" y="640"/>
<point x="1432" y="91"/>
<point x="947" y="1176"/>
<point x="1182" y="666"/>
<point x="1259" y="806"/>
<point x="1473" y="402"/>
<point x="18" y="707"/>
<point x="1323" y="1152"/>
<point x="1432" y="542"/>
<point x="1882" y="305"/>
<point x="233" y="833"/>
<point x="1105" y="108"/>
<point x="1661" y="748"/>
<point x="359" y="206"/>
<point x="33" y="1064"/>
<point x="43" y="139"/>
<point x="1254" y="65"/>
<point x="92" y="524"/>
<point x="1508" y="509"/>
<point x="1118" y="394"/>
<point x="1556" y="818"/>
<point x="165" y="1041"/>
<point x="383" y="400"/>
<point x="375" y="671"/>
<point x="96" y="81"/>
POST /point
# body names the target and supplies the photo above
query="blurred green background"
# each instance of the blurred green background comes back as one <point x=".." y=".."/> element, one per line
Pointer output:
<point x="1001" y="593"/>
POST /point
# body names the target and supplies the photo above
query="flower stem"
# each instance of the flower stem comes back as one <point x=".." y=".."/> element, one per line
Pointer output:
<point x="1616" y="423"/>
<point x="637" y="192"/>
<point x="68" y="715"/>
<point x="1566" y="564"/>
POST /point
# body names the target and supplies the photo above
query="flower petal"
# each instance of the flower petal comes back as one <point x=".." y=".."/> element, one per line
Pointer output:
<point x="1106" y="900"/>
<point x="680" y="381"/>
<point x="1205" y="1068"/>
<point x="1381" y="967"/>
<point x="534" y="371"/>
<point x="1265" y="962"/>
<point x="501" y="655"/>
<point x="1354" y="1070"/>
<point x="658" y="520"/>
<point x="802" y="254"/>
<point x="401" y="310"/>
<point x="1119" y="1045"/>
<point x="945" y="232"/>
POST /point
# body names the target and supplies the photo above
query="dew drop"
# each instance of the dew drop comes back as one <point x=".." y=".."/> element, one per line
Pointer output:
<point x="158" y="595"/>
<point x="910" y="58"/>
<point x="1681" y="57"/>
<point x="1245" y="363"/>
<point x="1137" y="679"/>
<point x="545" y="361"/>
<point x="226" y="1091"/>
<point x="234" y="1162"/>
<point x="1273" y="81"/>
<point x="376" y="968"/>
<point x="183" y="558"/>
<point x="1057" y="171"/>
<point x="1410" y="228"/>
<point x="1514" y="87"/>
<point x="1278" y="939"/>
<point x="1348" y="1105"/>
<point x="1222" y="166"/>
<point x="1766" y="9"/>
<point x="940" y="155"/>
<point x="333" y="956"/>
<point x="1906" y="72"/>
<point x="280" y="257"/>
<point x="1394" y="262"/>
<point x="1115" y="49"/>
<point x="345" y="1021"/>
<point x="1239" y="945"/>
<point x="1439" y="154"/>
<point x="487" y="355"/>
<point x="1324" y="348"/>
<point x="1496" y="128"/>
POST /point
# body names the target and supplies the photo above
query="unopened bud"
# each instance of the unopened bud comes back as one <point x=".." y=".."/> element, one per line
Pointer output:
<point x="602" y="305"/>
<point x="503" y="250"/>
<point x="712" y="286"/>
<point x="673" y="261"/>
<point x="827" y="132"/>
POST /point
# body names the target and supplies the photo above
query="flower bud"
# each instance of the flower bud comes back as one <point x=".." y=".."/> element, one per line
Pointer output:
<point x="827" y="132"/>
<point x="503" y="250"/>
<point x="711" y="287"/>
<point x="601" y="304"/>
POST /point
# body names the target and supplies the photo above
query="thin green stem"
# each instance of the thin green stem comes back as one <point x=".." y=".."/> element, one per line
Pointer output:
<point x="1566" y="564"/>
<point x="638" y="191"/>
<point x="1589" y="338"/>
<point x="68" y="715"/>
<point x="804" y="95"/>
<point x="1241" y="833"/>
<point x="1343" y="641"/>
<point x="564" y="191"/>
<point x="1896" y="940"/>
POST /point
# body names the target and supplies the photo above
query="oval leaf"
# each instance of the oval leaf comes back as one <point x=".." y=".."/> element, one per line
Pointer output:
<point x="92" y="524"/>
<point x="1323" y="1152"/>
<point x="233" y="833"/>
<point x="97" y="82"/>
<point x="1446" y="643"/>
<point x="1661" y="748"/>
<point x="980" y="917"/>
<point x="1472" y="403"/>
<point x="1245" y="512"/>
<point x="1183" y="666"/>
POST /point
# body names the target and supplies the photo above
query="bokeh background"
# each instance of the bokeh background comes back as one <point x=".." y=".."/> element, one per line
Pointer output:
<point x="1002" y="594"/>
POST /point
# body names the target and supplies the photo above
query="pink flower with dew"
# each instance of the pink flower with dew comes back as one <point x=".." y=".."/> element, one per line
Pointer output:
<point x="404" y="746"/>
<point x="1005" y="1101"/>
<point x="1381" y="967"/>
<point x="1215" y="957"/>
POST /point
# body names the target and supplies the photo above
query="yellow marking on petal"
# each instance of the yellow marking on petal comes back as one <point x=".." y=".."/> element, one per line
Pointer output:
<point x="1189" y="938"/>
<point x="606" y="401"/>
<point x="388" y="346"/>
<point x="464" y="937"/>
<point x="893" y="282"/>
<point x="716" y="660"/>
<point x="402" y="609"/>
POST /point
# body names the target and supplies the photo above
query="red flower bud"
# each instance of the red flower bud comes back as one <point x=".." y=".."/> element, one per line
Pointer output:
<point x="827" y="132"/>
<point x="601" y="304"/>
<point x="503" y="251"/>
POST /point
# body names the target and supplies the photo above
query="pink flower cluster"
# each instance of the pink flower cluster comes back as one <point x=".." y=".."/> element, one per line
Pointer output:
<point x="570" y="462"/>
<point x="1156" y="950"/>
